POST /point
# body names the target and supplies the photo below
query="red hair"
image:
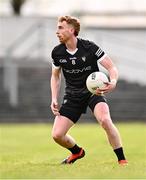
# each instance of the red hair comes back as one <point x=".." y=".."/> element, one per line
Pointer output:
<point x="72" y="21"/>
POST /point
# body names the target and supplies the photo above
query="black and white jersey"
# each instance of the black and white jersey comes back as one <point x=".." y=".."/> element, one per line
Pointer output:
<point x="78" y="65"/>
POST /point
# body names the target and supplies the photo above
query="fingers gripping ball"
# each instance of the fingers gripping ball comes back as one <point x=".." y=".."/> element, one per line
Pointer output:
<point x="96" y="80"/>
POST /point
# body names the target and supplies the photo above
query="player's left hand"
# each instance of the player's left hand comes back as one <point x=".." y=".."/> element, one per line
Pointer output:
<point x="108" y="88"/>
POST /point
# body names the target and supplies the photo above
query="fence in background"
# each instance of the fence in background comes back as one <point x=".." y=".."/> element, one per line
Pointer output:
<point x="25" y="69"/>
<point x="10" y="67"/>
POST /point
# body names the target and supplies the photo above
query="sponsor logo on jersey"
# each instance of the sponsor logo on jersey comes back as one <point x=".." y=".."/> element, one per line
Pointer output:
<point x="75" y="71"/>
<point x="63" y="61"/>
<point x="72" y="58"/>
<point x="99" y="52"/>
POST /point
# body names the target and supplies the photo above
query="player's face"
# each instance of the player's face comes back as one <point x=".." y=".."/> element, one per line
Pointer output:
<point x="64" y="31"/>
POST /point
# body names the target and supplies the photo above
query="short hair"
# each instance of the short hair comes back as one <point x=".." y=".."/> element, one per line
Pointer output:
<point x="73" y="21"/>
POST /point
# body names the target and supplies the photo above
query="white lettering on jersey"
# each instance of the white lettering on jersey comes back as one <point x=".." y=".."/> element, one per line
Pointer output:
<point x="63" y="61"/>
<point x="75" y="71"/>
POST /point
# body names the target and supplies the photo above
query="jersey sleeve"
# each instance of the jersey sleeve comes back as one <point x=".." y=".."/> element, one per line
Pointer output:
<point x="55" y="60"/>
<point x="98" y="52"/>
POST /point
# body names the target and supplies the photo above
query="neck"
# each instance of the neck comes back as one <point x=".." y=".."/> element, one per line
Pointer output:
<point x="71" y="44"/>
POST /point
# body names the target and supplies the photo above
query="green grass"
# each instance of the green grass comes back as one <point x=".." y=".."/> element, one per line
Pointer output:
<point x="28" y="151"/>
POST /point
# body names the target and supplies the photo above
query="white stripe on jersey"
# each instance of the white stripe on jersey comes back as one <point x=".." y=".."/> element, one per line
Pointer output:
<point x="98" y="52"/>
<point x="55" y="67"/>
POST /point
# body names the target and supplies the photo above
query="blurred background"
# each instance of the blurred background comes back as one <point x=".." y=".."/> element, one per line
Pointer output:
<point x="27" y="36"/>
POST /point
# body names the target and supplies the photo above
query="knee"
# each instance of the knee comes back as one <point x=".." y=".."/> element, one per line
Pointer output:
<point x="106" y="123"/>
<point x="57" y="136"/>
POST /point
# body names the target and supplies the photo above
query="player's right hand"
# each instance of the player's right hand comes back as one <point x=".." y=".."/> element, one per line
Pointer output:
<point x="55" y="107"/>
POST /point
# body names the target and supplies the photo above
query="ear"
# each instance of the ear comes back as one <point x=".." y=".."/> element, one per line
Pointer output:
<point x="72" y="30"/>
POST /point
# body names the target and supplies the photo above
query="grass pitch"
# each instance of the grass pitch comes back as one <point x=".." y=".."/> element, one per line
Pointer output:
<point x="27" y="151"/>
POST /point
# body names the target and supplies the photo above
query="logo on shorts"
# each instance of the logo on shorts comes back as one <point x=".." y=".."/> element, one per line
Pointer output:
<point x="65" y="101"/>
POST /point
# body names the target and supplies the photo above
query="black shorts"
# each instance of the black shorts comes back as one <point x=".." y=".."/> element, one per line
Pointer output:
<point x="73" y="107"/>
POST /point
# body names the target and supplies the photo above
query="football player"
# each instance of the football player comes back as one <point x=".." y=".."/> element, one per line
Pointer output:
<point x="77" y="58"/>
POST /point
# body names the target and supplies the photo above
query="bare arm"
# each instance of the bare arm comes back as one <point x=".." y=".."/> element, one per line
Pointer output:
<point x="111" y="68"/>
<point x="113" y="74"/>
<point x="55" y="87"/>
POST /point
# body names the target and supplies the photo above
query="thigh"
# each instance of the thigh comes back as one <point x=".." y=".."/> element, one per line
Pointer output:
<point x="62" y="125"/>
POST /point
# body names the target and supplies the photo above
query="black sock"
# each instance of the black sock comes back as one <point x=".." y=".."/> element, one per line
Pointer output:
<point x="119" y="153"/>
<point x="75" y="149"/>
